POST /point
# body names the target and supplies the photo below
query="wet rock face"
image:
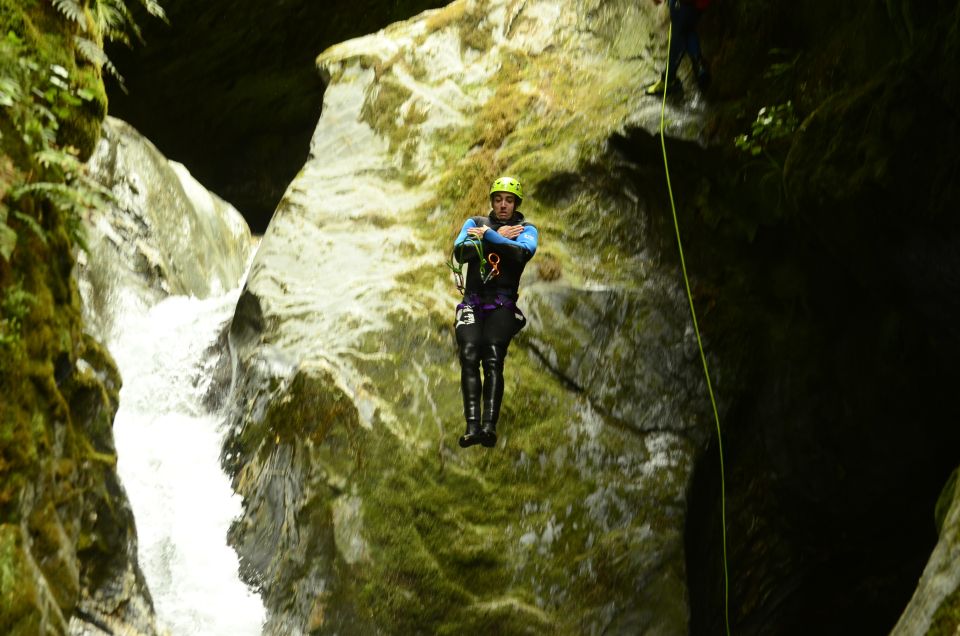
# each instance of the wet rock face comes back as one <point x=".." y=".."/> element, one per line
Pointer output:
<point x="230" y="89"/>
<point x="163" y="234"/>
<point x="361" y="512"/>
<point x="71" y="559"/>
<point x="935" y="606"/>
<point x="67" y="537"/>
<point x="588" y="339"/>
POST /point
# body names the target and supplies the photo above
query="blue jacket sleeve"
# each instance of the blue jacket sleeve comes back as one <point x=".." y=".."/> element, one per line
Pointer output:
<point x="463" y="248"/>
<point x="527" y="240"/>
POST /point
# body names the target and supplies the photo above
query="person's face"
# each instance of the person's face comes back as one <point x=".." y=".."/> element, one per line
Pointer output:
<point x="504" y="204"/>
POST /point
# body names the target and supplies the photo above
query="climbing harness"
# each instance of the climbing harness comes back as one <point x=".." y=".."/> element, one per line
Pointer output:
<point x="483" y="308"/>
<point x="703" y="357"/>
<point x="474" y="308"/>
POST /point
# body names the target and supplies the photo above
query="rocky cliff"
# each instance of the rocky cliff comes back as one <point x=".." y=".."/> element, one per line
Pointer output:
<point x="231" y="90"/>
<point x="815" y="185"/>
<point x="67" y="538"/>
<point x="821" y="253"/>
<point x="140" y="229"/>
<point x="361" y="514"/>
<point x="163" y="234"/>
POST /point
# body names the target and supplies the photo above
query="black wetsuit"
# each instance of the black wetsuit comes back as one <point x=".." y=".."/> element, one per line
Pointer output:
<point x="488" y="318"/>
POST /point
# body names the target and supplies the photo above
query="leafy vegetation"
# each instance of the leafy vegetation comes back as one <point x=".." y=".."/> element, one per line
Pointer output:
<point x="49" y="118"/>
<point x="773" y="123"/>
<point x="44" y="181"/>
<point x="14" y="309"/>
<point x="106" y="20"/>
<point x="55" y="412"/>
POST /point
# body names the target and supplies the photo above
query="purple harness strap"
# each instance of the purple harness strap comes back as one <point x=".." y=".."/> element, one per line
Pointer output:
<point x="482" y="309"/>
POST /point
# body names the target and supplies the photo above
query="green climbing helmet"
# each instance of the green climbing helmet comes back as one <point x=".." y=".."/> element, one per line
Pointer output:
<point x="508" y="184"/>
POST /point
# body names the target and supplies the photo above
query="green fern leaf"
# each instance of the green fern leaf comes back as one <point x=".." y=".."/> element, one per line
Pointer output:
<point x="80" y="195"/>
<point x="93" y="53"/>
<point x="8" y="241"/>
<point x="72" y="10"/>
<point x="112" y="70"/>
<point x="153" y="8"/>
<point x="8" y="238"/>
<point x="55" y="192"/>
<point x="112" y="18"/>
<point x="90" y="51"/>
<point x="116" y="21"/>
<point x="31" y="223"/>
<point x="51" y="157"/>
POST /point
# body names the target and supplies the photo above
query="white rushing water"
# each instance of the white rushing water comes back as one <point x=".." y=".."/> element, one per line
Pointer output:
<point x="169" y="446"/>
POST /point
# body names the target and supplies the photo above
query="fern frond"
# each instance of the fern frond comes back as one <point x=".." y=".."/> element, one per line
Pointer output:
<point x="112" y="70"/>
<point x="93" y="53"/>
<point x="52" y="157"/>
<point x="90" y="51"/>
<point x="31" y="223"/>
<point x="153" y="8"/>
<point x="10" y="91"/>
<point x="116" y="22"/>
<point x="53" y="191"/>
<point x="112" y="19"/>
<point x="74" y="198"/>
<point x="72" y="10"/>
<point x="8" y="240"/>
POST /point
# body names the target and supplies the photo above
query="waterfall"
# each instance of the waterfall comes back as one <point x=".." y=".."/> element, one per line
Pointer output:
<point x="168" y="445"/>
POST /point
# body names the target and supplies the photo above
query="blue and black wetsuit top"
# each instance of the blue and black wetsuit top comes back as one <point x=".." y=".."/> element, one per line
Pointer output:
<point x="512" y="255"/>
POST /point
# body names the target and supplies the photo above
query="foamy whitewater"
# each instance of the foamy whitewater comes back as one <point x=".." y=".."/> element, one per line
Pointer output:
<point x="169" y="446"/>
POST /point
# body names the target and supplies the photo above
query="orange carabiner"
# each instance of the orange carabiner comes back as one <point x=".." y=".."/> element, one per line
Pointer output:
<point x="494" y="260"/>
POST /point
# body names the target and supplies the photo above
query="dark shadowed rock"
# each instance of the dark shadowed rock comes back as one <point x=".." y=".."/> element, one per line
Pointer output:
<point x="231" y="90"/>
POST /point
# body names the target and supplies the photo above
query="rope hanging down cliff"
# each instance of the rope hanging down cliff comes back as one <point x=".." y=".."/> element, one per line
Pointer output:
<point x="703" y="357"/>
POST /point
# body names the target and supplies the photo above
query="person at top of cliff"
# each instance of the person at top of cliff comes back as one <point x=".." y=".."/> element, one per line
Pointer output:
<point x="684" y="16"/>
<point x="495" y="248"/>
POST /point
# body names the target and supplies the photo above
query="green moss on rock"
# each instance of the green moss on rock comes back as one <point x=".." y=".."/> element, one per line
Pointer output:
<point x="573" y="523"/>
<point x="946" y="620"/>
<point x="49" y="37"/>
<point x="58" y="482"/>
<point x="945" y="500"/>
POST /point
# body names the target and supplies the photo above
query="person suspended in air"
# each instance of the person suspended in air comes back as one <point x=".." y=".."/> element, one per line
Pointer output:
<point x="684" y="16"/>
<point x="495" y="249"/>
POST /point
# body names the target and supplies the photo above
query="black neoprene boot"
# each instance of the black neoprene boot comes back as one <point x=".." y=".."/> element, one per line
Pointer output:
<point x="488" y="434"/>
<point x="492" y="357"/>
<point x="470" y="388"/>
<point x="473" y="435"/>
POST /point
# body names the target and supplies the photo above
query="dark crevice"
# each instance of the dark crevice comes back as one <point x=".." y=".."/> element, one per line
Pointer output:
<point x="834" y="342"/>
<point x="564" y="379"/>
<point x="231" y="90"/>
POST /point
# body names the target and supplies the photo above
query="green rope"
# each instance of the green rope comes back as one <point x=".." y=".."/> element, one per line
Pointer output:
<point x="696" y="329"/>
<point x="457" y="267"/>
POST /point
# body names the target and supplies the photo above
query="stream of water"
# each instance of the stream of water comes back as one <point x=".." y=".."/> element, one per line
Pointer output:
<point x="168" y="445"/>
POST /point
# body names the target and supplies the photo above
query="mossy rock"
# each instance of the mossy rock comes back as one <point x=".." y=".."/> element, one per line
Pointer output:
<point x="26" y="602"/>
<point x="946" y="621"/>
<point x="58" y="480"/>
<point x="945" y="500"/>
